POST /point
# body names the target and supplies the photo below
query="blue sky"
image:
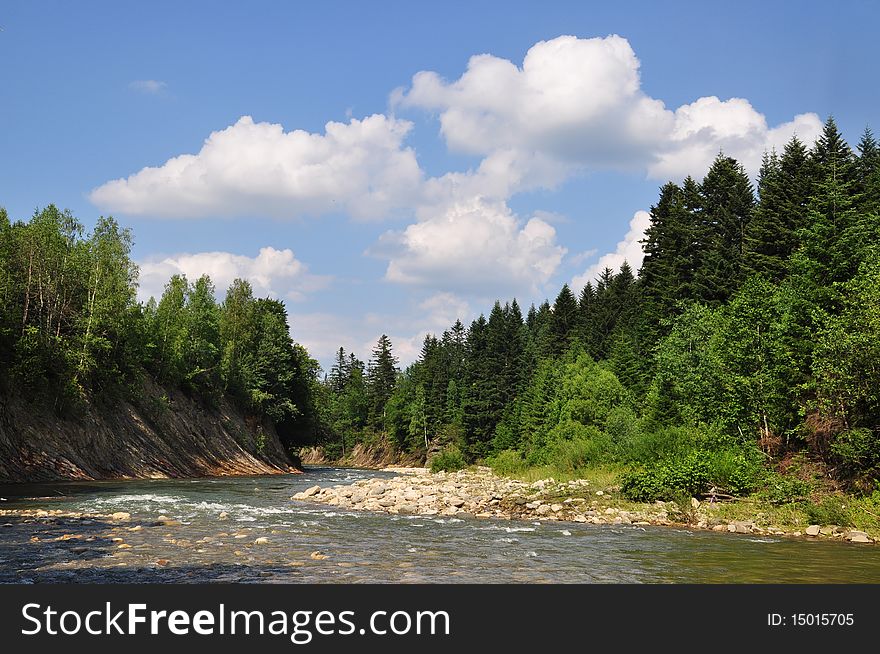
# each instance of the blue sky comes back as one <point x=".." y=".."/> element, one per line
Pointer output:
<point x="449" y="178"/>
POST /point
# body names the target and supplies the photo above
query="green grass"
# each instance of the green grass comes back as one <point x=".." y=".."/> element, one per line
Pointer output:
<point x="859" y="513"/>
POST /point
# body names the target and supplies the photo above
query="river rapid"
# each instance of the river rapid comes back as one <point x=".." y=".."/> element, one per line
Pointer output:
<point x="248" y="530"/>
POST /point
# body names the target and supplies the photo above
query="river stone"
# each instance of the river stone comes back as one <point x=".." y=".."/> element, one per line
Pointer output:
<point x="544" y="509"/>
<point x="262" y="540"/>
<point x="455" y="501"/>
<point x="120" y="515"/>
<point x="858" y="537"/>
<point x="377" y="491"/>
<point x="556" y="508"/>
<point x="358" y="497"/>
<point x="311" y="490"/>
<point x="813" y="530"/>
<point x="829" y="530"/>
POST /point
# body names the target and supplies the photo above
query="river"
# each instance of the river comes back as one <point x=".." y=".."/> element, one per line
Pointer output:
<point x="316" y="543"/>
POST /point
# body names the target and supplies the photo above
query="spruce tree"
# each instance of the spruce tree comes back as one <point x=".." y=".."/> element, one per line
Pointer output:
<point x="381" y="377"/>
<point x="727" y="203"/>
<point x="564" y="323"/>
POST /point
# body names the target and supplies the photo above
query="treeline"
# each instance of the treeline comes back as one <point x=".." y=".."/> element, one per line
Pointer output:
<point x="751" y="331"/>
<point x="72" y="330"/>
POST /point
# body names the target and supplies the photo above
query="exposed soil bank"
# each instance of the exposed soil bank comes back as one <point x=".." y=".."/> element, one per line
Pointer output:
<point x="360" y="456"/>
<point x="480" y="493"/>
<point x="162" y="434"/>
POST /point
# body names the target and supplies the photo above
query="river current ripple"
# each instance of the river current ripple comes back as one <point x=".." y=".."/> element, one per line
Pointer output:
<point x="321" y="544"/>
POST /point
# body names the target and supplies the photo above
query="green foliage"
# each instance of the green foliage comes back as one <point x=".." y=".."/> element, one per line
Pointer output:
<point x="691" y="475"/>
<point x="507" y="462"/>
<point x="831" y="510"/>
<point x="857" y="451"/>
<point x="449" y="460"/>
<point x="574" y="446"/>
<point x="784" y="489"/>
<point x="72" y="329"/>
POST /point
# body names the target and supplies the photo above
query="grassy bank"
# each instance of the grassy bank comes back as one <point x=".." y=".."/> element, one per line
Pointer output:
<point x="821" y="504"/>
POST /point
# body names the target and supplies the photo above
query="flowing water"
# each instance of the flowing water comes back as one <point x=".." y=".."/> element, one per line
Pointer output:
<point x="318" y="543"/>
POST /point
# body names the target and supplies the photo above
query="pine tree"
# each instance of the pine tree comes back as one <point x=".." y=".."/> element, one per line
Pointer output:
<point x="382" y="374"/>
<point x="868" y="174"/>
<point x="727" y="202"/>
<point x="784" y="187"/>
<point x="339" y="372"/>
<point x="564" y="323"/>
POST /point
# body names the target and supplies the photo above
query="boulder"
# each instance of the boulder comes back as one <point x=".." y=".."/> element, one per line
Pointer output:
<point x="813" y="530"/>
<point x="858" y="537"/>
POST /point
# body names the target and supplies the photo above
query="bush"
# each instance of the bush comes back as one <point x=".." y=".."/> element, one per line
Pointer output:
<point x="858" y="451"/>
<point x="622" y="425"/>
<point x="645" y="486"/>
<point x="574" y="446"/>
<point x="449" y="460"/>
<point x="658" y="444"/>
<point x="780" y="489"/>
<point x="669" y="479"/>
<point x="507" y="462"/>
<point x="830" y="511"/>
<point x="739" y="471"/>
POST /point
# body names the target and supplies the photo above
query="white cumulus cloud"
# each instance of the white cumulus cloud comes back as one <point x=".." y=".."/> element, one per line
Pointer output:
<point x="474" y="246"/>
<point x="275" y="273"/>
<point x="256" y="168"/>
<point x="629" y="249"/>
<point x="579" y="102"/>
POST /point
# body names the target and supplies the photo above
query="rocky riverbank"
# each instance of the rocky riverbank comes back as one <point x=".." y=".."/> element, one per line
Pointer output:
<point x="480" y="493"/>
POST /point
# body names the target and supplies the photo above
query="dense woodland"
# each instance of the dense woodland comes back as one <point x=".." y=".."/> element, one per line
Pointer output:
<point x="751" y="332"/>
<point x="72" y="332"/>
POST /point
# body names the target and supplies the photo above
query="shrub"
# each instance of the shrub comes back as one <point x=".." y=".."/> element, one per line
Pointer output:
<point x="573" y="446"/>
<point x="449" y="460"/>
<point x="781" y="489"/>
<point x="657" y="444"/>
<point x="622" y="425"/>
<point x="830" y="511"/>
<point x="507" y="462"/>
<point x="644" y="486"/>
<point x="857" y="450"/>
<point x="739" y="471"/>
<point x="666" y="480"/>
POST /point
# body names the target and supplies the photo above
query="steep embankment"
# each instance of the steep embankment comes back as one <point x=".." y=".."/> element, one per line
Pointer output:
<point x="161" y="434"/>
<point x="361" y="456"/>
